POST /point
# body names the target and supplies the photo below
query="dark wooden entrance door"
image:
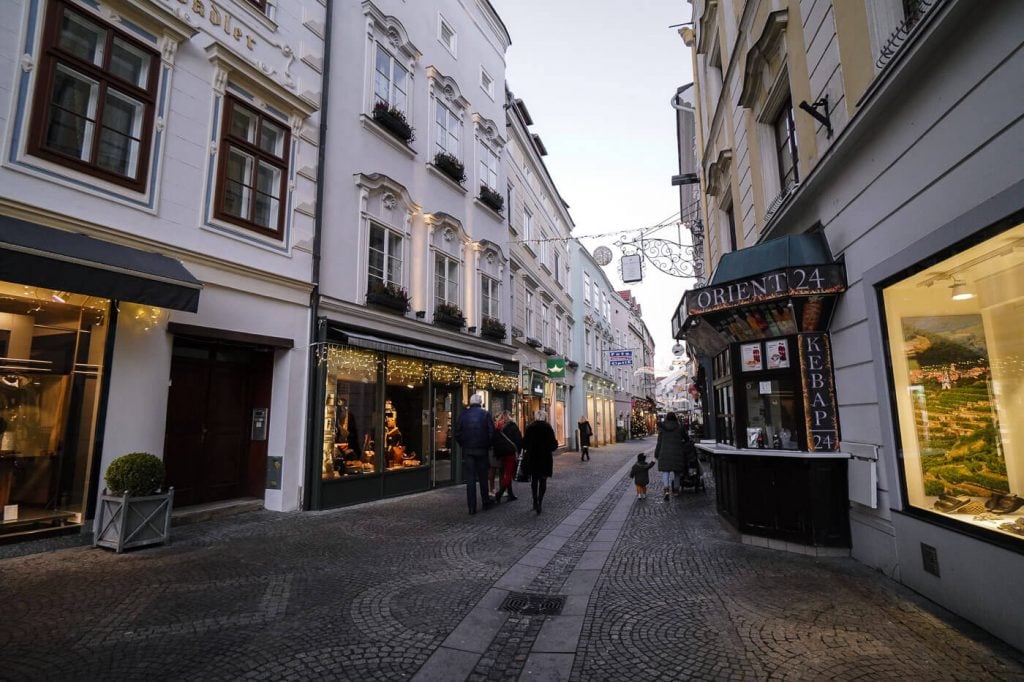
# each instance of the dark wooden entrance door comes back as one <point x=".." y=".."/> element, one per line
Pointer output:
<point x="207" y="449"/>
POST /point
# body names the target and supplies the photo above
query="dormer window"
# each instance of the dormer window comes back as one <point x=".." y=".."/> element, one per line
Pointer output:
<point x="446" y="34"/>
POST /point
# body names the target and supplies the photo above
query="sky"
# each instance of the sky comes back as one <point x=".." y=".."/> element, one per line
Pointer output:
<point x="597" y="77"/>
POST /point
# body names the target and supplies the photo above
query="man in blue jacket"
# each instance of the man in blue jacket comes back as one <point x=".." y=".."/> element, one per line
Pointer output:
<point x="474" y="433"/>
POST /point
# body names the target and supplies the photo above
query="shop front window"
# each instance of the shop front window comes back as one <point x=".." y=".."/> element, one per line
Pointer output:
<point x="350" y="430"/>
<point x="51" y="362"/>
<point x="956" y="346"/>
<point x="406" y="432"/>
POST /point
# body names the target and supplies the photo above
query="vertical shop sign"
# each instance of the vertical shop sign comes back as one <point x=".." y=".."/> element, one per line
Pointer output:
<point x="819" y="393"/>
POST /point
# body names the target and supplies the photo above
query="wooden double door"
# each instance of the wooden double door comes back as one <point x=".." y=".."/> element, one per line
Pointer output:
<point x="209" y="450"/>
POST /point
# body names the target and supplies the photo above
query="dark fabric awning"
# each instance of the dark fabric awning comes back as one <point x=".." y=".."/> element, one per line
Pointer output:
<point x="411" y="350"/>
<point x="47" y="257"/>
<point x="775" y="254"/>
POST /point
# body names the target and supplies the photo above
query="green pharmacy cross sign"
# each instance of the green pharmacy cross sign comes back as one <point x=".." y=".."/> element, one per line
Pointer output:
<point x="556" y="368"/>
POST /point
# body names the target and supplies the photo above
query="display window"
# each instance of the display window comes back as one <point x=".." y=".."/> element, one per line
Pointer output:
<point x="51" y="363"/>
<point x="350" y="430"/>
<point x="406" y="428"/>
<point x="955" y="332"/>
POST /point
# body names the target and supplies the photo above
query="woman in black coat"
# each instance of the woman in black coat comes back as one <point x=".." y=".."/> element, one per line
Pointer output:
<point x="671" y="451"/>
<point x="540" y="444"/>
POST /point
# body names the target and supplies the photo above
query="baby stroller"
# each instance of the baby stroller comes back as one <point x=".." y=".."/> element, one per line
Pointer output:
<point x="691" y="475"/>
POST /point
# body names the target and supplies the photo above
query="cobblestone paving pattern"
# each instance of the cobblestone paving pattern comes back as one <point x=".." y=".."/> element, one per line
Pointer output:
<point x="370" y="592"/>
<point x="362" y="593"/>
<point x="681" y="598"/>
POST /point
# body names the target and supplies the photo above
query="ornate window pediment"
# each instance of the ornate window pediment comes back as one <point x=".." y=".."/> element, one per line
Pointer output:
<point x="767" y="51"/>
<point x="489" y="132"/>
<point x="446" y="232"/>
<point x="229" y="66"/>
<point x="718" y="172"/>
<point x="386" y="201"/>
<point x="445" y="89"/>
<point x="391" y="31"/>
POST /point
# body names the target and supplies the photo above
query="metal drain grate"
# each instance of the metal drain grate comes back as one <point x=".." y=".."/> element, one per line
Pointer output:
<point x="533" y="604"/>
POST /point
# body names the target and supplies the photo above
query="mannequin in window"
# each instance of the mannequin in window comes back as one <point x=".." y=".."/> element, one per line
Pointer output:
<point x="346" y="438"/>
<point x="393" y="438"/>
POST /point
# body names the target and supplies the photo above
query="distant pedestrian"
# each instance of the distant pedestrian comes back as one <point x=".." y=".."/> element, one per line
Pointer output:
<point x="474" y="432"/>
<point x="540" y="443"/>
<point x="508" y="441"/>
<point x="640" y="473"/>
<point x="671" y="453"/>
<point x="585" y="433"/>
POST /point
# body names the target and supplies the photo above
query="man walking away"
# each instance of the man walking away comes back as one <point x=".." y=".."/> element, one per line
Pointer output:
<point x="540" y="443"/>
<point x="474" y="432"/>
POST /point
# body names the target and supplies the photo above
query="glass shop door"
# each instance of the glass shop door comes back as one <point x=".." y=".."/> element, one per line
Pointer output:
<point x="442" y="435"/>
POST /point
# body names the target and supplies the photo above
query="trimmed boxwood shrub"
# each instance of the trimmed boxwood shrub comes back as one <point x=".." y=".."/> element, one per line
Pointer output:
<point x="137" y="473"/>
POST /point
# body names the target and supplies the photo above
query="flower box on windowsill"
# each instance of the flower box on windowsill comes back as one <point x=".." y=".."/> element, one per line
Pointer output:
<point x="450" y="166"/>
<point x="548" y="350"/>
<point x="491" y="199"/>
<point x="492" y="329"/>
<point x="532" y="342"/>
<point x="449" y="315"/>
<point x="394" y="121"/>
<point x="572" y="364"/>
<point x="386" y="299"/>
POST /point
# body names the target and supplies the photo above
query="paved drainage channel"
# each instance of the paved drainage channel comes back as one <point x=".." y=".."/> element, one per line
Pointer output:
<point x="533" y="604"/>
<point x="507" y="655"/>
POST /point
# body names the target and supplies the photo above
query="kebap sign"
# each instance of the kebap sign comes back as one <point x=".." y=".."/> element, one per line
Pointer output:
<point x="809" y="280"/>
<point x="819" y="393"/>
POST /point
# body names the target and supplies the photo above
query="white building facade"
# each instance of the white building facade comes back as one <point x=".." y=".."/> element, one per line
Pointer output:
<point x="156" y="215"/>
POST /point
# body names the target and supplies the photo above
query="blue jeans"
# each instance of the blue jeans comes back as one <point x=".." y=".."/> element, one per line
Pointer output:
<point x="475" y="467"/>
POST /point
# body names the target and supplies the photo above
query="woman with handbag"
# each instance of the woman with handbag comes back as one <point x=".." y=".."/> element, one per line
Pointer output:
<point x="508" y="441"/>
<point x="540" y="443"/>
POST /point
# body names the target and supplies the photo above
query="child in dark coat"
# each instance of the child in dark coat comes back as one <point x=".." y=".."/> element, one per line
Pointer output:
<point x="640" y="476"/>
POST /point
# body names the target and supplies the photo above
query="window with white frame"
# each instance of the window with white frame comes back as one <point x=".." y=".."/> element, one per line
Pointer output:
<point x="527" y="227"/>
<point x="390" y="82"/>
<point x="95" y="99"/>
<point x="385" y="257"/>
<point x="558" y="267"/>
<point x="568" y="335"/>
<point x="447" y="130"/>
<point x="528" y="300"/>
<point x="586" y="287"/>
<point x="488" y="167"/>
<point x="545" y="327"/>
<point x="490" y="301"/>
<point x="486" y="82"/>
<point x="558" y="335"/>
<point x="588" y="350"/>
<point x="446" y="280"/>
<point x="446" y="34"/>
<point x="785" y="146"/>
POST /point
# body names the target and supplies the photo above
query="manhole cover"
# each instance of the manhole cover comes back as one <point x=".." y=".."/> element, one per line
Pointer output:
<point x="533" y="604"/>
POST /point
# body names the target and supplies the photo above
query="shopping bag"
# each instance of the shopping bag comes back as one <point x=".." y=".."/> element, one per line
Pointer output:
<point x="522" y="474"/>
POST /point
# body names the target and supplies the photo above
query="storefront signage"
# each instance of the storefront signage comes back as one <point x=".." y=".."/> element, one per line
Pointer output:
<point x="620" y="357"/>
<point x="750" y="357"/>
<point x="632" y="268"/>
<point x="556" y="368"/>
<point x="809" y="280"/>
<point x="819" y="393"/>
<point x="776" y="354"/>
<point x="221" y="19"/>
<point x="537" y="382"/>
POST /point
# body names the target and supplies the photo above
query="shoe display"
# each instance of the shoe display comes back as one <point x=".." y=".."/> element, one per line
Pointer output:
<point x="950" y="503"/>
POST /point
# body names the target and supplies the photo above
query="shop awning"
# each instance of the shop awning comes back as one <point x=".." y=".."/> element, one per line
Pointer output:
<point x="414" y="351"/>
<point x="781" y="287"/>
<point x="47" y="257"/>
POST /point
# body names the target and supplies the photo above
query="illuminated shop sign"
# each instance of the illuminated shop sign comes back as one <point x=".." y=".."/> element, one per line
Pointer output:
<point x="809" y="280"/>
<point x="819" y="393"/>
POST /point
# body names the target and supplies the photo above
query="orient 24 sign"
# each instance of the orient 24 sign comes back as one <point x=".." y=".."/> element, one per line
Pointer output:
<point x="803" y="281"/>
<point x="820" y="410"/>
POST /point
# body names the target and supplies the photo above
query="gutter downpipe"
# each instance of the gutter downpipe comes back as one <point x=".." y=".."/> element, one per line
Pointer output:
<point x="318" y="330"/>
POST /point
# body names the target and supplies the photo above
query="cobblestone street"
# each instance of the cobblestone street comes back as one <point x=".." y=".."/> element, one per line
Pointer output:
<point x="411" y="588"/>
